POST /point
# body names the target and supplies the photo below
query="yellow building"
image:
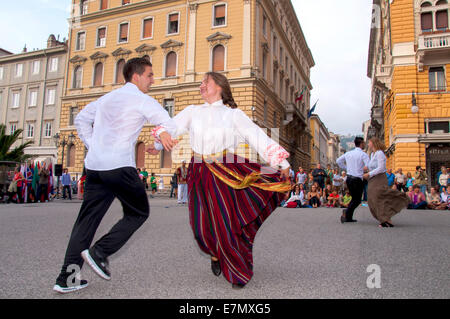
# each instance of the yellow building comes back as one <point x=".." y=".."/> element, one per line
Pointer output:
<point x="409" y="64"/>
<point x="258" y="45"/>
<point x="319" y="143"/>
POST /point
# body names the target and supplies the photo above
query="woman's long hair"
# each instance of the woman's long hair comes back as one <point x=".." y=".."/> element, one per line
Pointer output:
<point x="378" y="145"/>
<point x="222" y="81"/>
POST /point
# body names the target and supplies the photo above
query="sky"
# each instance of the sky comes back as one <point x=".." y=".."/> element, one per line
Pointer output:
<point x="337" y="35"/>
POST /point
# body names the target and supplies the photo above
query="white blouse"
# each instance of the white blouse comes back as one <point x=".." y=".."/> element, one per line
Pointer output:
<point x="377" y="163"/>
<point x="215" y="127"/>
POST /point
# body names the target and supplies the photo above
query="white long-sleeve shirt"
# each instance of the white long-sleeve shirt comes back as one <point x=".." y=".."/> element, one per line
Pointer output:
<point x="377" y="164"/>
<point x="354" y="162"/>
<point x="216" y="127"/>
<point x="110" y="126"/>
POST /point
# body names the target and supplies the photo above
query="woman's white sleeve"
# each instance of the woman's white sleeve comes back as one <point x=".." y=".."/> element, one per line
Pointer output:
<point x="182" y="121"/>
<point x="381" y="164"/>
<point x="270" y="151"/>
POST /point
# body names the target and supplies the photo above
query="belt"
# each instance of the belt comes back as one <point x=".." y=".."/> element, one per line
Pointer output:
<point x="351" y="176"/>
<point x="210" y="157"/>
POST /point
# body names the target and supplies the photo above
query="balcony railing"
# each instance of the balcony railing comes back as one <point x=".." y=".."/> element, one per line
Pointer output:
<point x="384" y="70"/>
<point x="438" y="41"/>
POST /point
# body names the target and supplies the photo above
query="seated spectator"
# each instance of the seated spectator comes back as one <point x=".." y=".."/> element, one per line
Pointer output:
<point x="445" y="197"/>
<point x="296" y="198"/>
<point x="434" y="200"/>
<point x="314" y="197"/>
<point x="326" y="193"/>
<point x="346" y="199"/>
<point x="333" y="198"/>
<point x="443" y="178"/>
<point x="410" y="189"/>
<point x="417" y="199"/>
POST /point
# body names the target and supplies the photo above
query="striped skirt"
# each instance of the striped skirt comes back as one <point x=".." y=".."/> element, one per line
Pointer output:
<point x="228" y="202"/>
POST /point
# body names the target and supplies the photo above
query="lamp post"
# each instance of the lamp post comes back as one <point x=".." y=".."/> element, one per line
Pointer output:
<point x="62" y="143"/>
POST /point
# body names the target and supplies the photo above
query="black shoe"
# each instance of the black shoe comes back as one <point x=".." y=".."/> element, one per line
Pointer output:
<point x="343" y="219"/>
<point x="215" y="267"/>
<point x="62" y="287"/>
<point x="237" y="286"/>
<point x="351" y="221"/>
<point x="99" y="264"/>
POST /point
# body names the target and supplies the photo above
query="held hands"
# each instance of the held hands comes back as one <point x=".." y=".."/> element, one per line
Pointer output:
<point x="152" y="150"/>
<point x="167" y="141"/>
<point x="366" y="176"/>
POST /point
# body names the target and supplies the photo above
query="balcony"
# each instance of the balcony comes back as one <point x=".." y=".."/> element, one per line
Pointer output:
<point x="435" y="41"/>
<point x="384" y="73"/>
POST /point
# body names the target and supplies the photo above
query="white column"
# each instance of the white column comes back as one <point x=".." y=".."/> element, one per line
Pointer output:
<point x="246" y="40"/>
<point x="190" y="69"/>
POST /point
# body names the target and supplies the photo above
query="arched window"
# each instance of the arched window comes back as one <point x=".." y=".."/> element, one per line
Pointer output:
<point x="218" y="58"/>
<point x="171" y="64"/>
<point x="140" y="155"/>
<point x="98" y="74"/>
<point x="441" y="2"/>
<point x="77" y="73"/>
<point x="426" y="21"/>
<point x="442" y="20"/>
<point x="119" y="71"/>
<point x="71" y="156"/>
<point x="426" y="4"/>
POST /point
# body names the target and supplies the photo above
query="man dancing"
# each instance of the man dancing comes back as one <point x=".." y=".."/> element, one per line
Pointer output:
<point x="354" y="162"/>
<point x="109" y="127"/>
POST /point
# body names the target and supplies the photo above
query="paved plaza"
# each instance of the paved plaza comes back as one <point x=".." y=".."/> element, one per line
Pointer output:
<point x="299" y="253"/>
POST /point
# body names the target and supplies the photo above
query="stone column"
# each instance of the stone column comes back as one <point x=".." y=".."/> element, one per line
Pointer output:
<point x="190" y="69"/>
<point x="246" y="40"/>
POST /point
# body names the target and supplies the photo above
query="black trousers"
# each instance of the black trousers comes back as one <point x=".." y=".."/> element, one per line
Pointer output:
<point x="356" y="187"/>
<point x="67" y="188"/>
<point x="102" y="187"/>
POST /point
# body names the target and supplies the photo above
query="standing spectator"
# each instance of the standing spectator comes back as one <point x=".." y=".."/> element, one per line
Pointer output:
<point x="144" y="174"/>
<point x="182" y="183"/>
<point x="319" y="176"/>
<point x="417" y="199"/>
<point x="65" y="181"/>
<point x="292" y="176"/>
<point x="43" y="183"/>
<point x="400" y="180"/>
<point x="337" y="180"/>
<point x="390" y="177"/>
<point x="438" y="175"/>
<point x="443" y="178"/>
<point x="420" y="178"/>
<point x="346" y="199"/>
<point x="173" y="185"/>
<point x="313" y="197"/>
<point x="329" y="177"/>
<point x="410" y="181"/>
<point x="434" y="200"/>
<point x="19" y="180"/>
<point x="301" y="176"/>
<point x="161" y="184"/>
<point x="153" y="185"/>
<point x="74" y="186"/>
<point x="310" y="181"/>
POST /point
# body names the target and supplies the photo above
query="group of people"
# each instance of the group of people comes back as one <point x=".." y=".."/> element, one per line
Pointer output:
<point x="35" y="183"/>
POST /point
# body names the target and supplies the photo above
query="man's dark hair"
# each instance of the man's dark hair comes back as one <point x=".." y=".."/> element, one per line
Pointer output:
<point x="134" y="65"/>
<point x="417" y="168"/>
<point x="358" y="141"/>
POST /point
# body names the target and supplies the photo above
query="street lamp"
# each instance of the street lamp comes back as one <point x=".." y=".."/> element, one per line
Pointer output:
<point x="62" y="143"/>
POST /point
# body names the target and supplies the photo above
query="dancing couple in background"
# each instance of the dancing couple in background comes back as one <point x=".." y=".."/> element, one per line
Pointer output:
<point x="384" y="202"/>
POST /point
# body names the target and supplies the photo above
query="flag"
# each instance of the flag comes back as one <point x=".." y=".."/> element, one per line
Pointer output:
<point x="312" y="109"/>
<point x="23" y="171"/>
<point x="35" y="178"/>
<point x="300" y="97"/>
<point x="50" y="180"/>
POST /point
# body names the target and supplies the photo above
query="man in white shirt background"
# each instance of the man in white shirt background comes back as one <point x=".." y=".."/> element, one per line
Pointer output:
<point x="301" y="176"/>
<point x="354" y="162"/>
<point x="109" y="127"/>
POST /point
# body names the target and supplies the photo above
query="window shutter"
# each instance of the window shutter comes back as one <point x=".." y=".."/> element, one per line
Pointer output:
<point x="148" y="25"/>
<point x="171" y="64"/>
<point x="427" y="21"/>
<point x="173" y="17"/>
<point x="219" y="58"/>
<point x="104" y="4"/>
<point x="140" y="155"/>
<point x="124" y="31"/>
<point x="98" y="74"/>
<point x="442" y="19"/>
<point x="219" y="11"/>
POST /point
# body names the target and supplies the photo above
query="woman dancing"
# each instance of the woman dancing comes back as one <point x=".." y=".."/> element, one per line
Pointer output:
<point x="229" y="196"/>
<point x="384" y="202"/>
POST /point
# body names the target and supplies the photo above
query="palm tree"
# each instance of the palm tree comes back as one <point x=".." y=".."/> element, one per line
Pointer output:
<point x="6" y="141"/>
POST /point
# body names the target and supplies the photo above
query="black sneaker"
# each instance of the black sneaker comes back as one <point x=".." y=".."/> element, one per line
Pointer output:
<point x="99" y="264"/>
<point x="62" y="287"/>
